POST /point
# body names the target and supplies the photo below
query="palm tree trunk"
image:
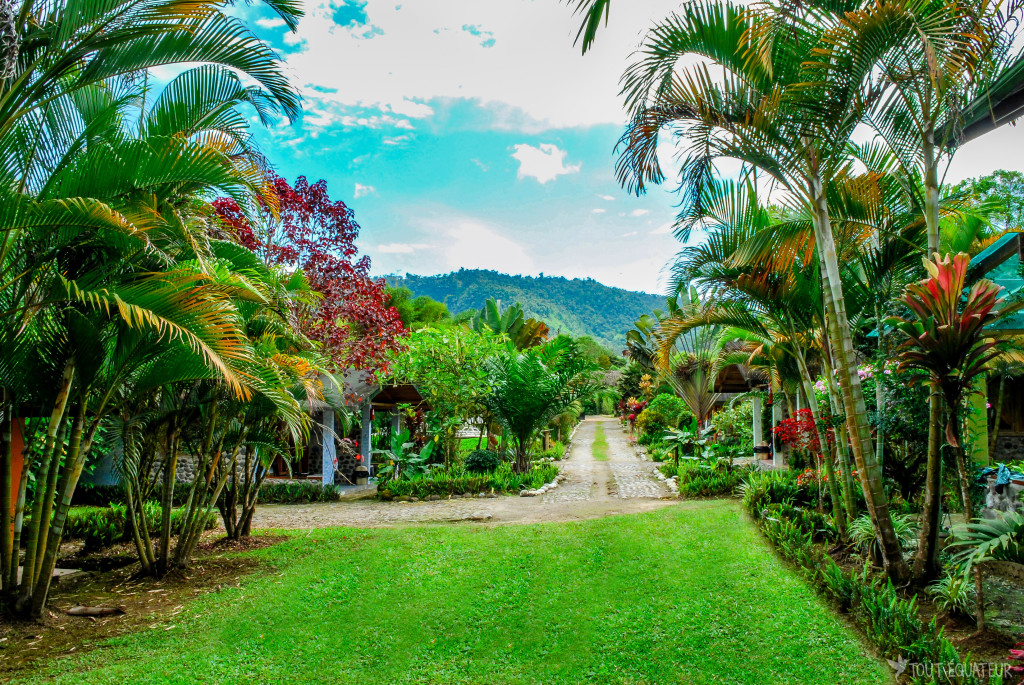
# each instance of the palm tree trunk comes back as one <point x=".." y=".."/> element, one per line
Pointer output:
<point x="826" y="456"/>
<point x="170" y="473"/>
<point x="926" y="561"/>
<point x="841" y="438"/>
<point x="994" y="435"/>
<point x="853" y="396"/>
<point x="78" y="450"/>
<point x="879" y="392"/>
<point x="6" y="488"/>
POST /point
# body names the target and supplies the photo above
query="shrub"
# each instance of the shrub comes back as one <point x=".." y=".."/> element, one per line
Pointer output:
<point x="862" y="533"/>
<point x="736" y="424"/>
<point x="482" y="461"/>
<point x="954" y="594"/>
<point x="298" y="492"/>
<point x="459" y="481"/>
<point x="100" y="527"/>
<point x="664" y="412"/>
<point x="761" y="488"/>
<point x="556" y="452"/>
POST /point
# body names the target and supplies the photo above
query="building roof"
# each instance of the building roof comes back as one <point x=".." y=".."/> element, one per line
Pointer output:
<point x="1001" y="262"/>
<point x="1001" y="104"/>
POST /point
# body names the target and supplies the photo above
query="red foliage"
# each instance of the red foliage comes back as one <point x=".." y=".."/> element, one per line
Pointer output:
<point x="353" y="321"/>
<point x="800" y="432"/>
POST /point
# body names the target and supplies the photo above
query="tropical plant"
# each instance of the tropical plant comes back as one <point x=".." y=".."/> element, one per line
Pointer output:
<point x="482" y="461"/>
<point x="115" y="297"/>
<point x="511" y="323"/>
<point x="402" y="460"/>
<point x="532" y="386"/>
<point x="948" y="341"/>
<point x="953" y="594"/>
<point x="449" y="366"/>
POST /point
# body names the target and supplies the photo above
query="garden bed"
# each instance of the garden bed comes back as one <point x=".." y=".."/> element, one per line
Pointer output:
<point x="897" y="625"/>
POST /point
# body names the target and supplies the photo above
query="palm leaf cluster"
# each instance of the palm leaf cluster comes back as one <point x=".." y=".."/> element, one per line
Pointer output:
<point x="130" y="326"/>
<point x="809" y="249"/>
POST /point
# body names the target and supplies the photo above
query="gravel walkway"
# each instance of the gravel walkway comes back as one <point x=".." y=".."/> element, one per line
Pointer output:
<point x="623" y="484"/>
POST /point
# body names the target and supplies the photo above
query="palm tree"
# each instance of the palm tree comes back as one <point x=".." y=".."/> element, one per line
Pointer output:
<point x="531" y="387"/>
<point x="761" y="110"/>
<point x="107" y="279"/>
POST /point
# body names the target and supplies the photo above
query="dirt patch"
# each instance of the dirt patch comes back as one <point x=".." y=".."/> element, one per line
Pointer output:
<point x="113" y="581"/>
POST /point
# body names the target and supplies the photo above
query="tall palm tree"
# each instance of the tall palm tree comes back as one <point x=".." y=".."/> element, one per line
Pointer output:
<point x="760" y="109"/>
<point x="106" y="272"/>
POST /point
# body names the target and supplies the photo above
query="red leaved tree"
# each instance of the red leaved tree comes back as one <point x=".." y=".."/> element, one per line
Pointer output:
<point x="353" y="321"/>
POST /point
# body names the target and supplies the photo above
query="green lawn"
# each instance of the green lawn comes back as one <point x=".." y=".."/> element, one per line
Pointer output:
<point x="600" y="447"/>
<point x="687" y="594"/>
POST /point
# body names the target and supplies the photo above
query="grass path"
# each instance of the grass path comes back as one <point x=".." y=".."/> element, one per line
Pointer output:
<point x="686" y="594"/>
<point x="600" y="447"/>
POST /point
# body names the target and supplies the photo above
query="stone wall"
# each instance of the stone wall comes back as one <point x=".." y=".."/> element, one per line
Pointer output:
<point x="1009" y="447"/>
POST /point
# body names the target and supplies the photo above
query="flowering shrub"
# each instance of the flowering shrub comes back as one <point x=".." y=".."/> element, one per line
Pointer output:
<point x="810" y="478"/>
<point x="799" y="432"/>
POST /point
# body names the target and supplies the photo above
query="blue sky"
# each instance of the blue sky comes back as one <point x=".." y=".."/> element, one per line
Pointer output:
<point x="471" y="133"/>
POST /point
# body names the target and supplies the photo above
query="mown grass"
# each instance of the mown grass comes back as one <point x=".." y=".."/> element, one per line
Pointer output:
<point x="600" y="446"/>
<point x="686" y="594"/>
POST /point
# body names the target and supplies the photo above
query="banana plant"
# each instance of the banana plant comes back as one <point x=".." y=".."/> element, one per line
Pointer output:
<point x="402" y="461"/>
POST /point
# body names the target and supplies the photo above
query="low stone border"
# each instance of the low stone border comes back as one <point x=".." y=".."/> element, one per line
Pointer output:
<point x="672" y="483"/>
<point x="544" y="488"/>
<point x="438" y="498"/>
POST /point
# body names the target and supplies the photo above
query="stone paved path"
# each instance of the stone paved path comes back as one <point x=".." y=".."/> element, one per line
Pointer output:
<point x="623" y="484"/>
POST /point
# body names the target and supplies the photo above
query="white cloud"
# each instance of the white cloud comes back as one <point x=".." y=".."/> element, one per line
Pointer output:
<point x="271" y="23"/>
<point x="363" y="191"/>
<point x="630" y="234"/>
<point x="607" y="197"/>
<point x="639" y="212"/>
<point x="544" y="163"/>
<point x="400" y="248"/>
<point x="516" y="54"/>
<point x="597" y="211"/>
<point x="664" y="229"/>
<point x="473" y="244"/>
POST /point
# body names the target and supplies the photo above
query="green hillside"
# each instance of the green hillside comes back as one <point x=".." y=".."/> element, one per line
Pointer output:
<point x="576" y="306"/>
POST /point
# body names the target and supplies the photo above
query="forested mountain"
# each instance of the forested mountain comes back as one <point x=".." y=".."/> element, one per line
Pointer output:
<point x="576" y="306"/>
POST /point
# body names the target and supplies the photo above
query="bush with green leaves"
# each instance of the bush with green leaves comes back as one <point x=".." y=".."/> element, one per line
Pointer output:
<point x="761" y="488"/>
<point x="482" y="461"/>
<point x="665" y="411"/>
<point x="456" y="480"/>
<point x="954" y="594"/>
<point x="862" y="533"/>
<point x="298" y="492"/>
<point x="99" y="527"/>
<point x="556" y="452"/>
<point x="735" y="427"/>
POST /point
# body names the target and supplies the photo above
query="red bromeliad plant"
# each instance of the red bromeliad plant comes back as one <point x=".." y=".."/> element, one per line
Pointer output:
<point x="309" y="231"/>
<point x="948" y="339"/>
